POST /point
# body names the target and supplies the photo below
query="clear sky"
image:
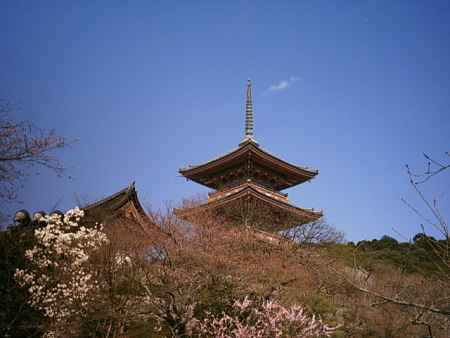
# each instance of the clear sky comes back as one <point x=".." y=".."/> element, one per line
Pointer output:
<point x="355" y="89"/>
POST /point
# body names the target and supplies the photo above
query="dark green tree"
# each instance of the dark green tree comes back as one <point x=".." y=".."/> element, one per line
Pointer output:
<point x="17" y="318"/>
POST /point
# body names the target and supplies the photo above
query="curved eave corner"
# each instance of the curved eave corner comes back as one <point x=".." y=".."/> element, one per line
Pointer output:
<point x="305" y="214"/>
<point x="113" y="203"/>
<point x="195" y="170"/>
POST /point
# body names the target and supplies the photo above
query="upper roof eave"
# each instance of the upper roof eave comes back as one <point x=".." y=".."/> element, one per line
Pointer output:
<point x="244" y="147"/>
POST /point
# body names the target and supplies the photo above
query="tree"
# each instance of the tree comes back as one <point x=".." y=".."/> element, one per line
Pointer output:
<point x="387" y="242"/>
<point x="317" y="232"/>
<point x="22" y="146"/>
<point x="266" y="319"/>
<point x="17" y="317"/>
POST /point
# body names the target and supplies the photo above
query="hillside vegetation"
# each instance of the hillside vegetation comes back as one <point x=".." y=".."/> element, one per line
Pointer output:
<point x="213" y="281"/>
<point x="422" y="255"/>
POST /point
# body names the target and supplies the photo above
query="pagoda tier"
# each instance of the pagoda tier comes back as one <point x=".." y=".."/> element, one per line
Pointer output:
<point x="251" y="204"/>
<point x="248" y="162"/>
<point x="248" y="181"/>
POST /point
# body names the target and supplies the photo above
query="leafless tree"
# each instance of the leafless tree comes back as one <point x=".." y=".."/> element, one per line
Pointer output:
<point x="22" y="146"/>
<point x="436" y="219"/>
<point x="317" y="232"/>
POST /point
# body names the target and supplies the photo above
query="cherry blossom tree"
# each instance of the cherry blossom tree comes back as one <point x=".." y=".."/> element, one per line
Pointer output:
<point x="265" y="319"/>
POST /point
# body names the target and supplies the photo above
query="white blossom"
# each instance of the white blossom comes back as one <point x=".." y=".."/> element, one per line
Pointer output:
<point x="59" y="280"/>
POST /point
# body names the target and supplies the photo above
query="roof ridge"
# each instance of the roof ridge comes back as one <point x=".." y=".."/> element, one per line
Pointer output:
<point x="129" y="189"/>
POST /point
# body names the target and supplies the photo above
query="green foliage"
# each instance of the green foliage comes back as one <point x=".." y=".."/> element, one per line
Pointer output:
<point x="420" y="256"/>
<point x="17" y="318"/>
<point x="388" y="242"/>
<point x="216" y="296"/>
<point x="320" y="305"/>
<point x="339" y="334"/>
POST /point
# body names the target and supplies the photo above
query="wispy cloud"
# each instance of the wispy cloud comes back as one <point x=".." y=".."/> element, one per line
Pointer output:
<point x="283" y="85"/>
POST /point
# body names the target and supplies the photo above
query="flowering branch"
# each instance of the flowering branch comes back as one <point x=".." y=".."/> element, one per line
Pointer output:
<point x="59" y="279"/>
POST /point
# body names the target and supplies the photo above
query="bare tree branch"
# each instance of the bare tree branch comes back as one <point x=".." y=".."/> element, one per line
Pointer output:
<point x="314" y="233"/>
<point x="22" y="145"/>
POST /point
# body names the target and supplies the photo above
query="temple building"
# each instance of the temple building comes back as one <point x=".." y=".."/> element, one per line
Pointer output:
<point x="123" y="210"/>
<point x="119" y="211"/>
<point x="123" y="205"/>
<point x="247" y="184"/>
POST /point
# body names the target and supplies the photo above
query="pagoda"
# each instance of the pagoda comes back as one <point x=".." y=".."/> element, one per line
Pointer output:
<point x="247" y="184"/>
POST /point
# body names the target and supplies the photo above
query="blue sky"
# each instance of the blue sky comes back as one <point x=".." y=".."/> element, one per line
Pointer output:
<point x="355" y="89"/>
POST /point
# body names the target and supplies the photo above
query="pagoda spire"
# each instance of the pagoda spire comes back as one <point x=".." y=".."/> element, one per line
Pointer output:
<point x="249" y="115"/>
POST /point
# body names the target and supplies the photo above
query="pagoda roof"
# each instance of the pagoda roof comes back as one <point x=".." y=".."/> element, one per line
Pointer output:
<point x="249" y="148"/>
<point x="271" y="199"/>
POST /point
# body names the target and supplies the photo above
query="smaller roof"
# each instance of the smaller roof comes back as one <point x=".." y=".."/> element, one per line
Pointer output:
<point x="292" y="215"/>
<point x="124" y="203"/>
<point x="249" y="149"/>
<point x="116" y="201"/>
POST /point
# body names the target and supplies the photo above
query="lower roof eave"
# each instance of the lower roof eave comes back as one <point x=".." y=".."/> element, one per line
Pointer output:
<point x="292" y="215"/>
<point x="191" y="214"/>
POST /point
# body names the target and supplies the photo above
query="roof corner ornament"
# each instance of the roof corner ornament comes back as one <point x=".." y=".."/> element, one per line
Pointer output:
<point x="249" y="116"/>
<point x="131" y="187"/>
